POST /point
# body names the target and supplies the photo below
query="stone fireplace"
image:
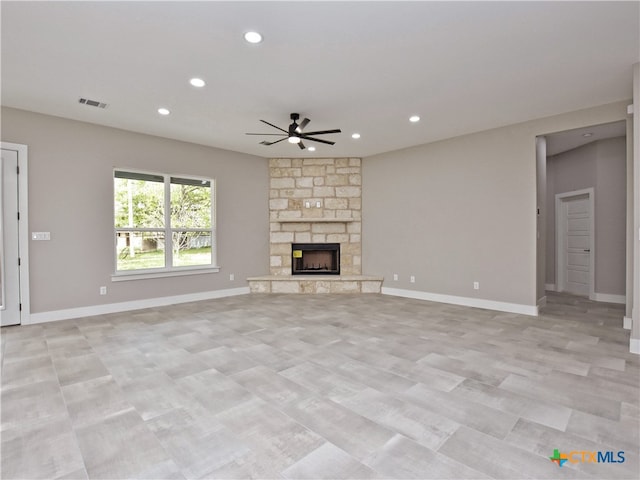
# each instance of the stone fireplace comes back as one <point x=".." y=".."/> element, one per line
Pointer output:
<point x="315" y="201"/>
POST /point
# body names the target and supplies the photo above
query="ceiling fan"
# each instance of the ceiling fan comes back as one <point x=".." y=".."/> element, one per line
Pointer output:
<point x="295" y="133"/>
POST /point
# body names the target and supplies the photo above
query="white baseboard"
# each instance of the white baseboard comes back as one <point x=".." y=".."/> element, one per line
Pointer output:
<point x="550" y="287"/>
<point x="626" y="323"/>
<point x="542" y="302"/>
<point x="464" y="301"/>
<point x="609" y="298"/>
<point x="90" y="311"/>
<point x="634" y="345"/>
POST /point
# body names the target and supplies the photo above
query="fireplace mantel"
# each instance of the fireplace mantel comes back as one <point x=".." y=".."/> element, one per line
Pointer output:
<point x="314" y="220"/>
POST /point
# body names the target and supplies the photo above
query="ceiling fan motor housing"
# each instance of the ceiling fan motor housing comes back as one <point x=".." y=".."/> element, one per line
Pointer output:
<point x="293" y="128"/>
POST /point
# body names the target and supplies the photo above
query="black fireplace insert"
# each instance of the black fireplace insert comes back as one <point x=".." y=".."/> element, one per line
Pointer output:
<point x="315" y="259"/>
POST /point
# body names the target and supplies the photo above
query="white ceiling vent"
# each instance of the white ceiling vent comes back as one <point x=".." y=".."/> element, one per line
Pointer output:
<point x="92" y="103"/>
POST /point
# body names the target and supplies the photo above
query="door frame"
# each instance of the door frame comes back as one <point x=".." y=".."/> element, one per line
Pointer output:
<point x="560" y="238"/>
<point x="23" y="227"/>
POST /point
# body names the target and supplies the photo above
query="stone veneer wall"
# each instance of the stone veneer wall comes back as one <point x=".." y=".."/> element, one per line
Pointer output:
<point x="335" y="184"/>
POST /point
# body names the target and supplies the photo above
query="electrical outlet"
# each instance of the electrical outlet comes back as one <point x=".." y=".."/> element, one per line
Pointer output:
<point x="476" y="285"/>
<point x="232" y="277"/>
<point x="412" y="279"/>
<point x="395" y="277"/>
<point x="103" y="290"/>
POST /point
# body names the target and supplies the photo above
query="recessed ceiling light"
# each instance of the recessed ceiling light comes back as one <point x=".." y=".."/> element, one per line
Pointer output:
<point x="355" y="135"/>
<point x="414" y="118"/>
<point x="197" y="82"/>
<point x="588" y="134"/>
<point x="312" y="149"/>
<point x="164" y="111"/>
<point x="253" y="37"/>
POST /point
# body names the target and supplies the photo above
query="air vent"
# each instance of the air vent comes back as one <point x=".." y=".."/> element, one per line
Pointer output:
<point x="92" y="103"/>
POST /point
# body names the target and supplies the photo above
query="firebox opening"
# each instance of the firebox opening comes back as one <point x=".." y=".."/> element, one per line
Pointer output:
<point x="315" y="259"/>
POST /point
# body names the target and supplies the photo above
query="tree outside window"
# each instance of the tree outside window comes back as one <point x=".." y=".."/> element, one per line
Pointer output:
<point x="151" y="208"/>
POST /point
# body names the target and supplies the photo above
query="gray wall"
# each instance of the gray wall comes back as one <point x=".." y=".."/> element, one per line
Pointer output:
<point x="450" y="212"/>
<point x="462" y="210"/>
<point x="566" y="172"/>
<point x="599" y="165"/>
<point x="610" y="216"/>
<point x="71" y="195"/>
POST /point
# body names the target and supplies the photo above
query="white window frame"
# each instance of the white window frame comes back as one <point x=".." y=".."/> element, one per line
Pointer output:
<point x="168" y="270"/>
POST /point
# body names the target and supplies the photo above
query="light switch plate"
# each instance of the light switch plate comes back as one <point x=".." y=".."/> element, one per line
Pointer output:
<point x="40" y="235"/>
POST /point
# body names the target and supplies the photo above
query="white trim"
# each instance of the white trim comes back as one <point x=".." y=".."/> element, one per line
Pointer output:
<point x="3" y="261"/>
<point x="542" y="302"/>
<point x="464" y="301"/>
<point x="70" y="313"/>
<point x="560" y="197"/>
<point x="124" y="276"/>
<point x="626" y="323"/>
<point x="550" y="287"/>
<point x="634" y="345"/>
<point x="23" y="226"/>
<point x="609" y="298"/>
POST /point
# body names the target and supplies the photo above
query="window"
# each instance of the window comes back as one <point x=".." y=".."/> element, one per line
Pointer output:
<point x="162" y="223"/>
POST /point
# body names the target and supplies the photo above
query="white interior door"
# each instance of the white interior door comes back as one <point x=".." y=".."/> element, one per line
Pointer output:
<point x="9" y="240"/>
<point x="576" y="245"/>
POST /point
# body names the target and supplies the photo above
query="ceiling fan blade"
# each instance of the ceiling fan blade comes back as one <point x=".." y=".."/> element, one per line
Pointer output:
<point x="317" y="140"/>
<point x="278" y="134"/>
<point x="264" y="142"/>
<point x="301" y="145"/>
<point x="322" y="132"/>
<point x="272" y="125"/>
<point x="303" y="124"/>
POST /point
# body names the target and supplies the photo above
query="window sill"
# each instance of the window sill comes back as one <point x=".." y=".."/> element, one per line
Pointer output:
<point x="127" y="276"/>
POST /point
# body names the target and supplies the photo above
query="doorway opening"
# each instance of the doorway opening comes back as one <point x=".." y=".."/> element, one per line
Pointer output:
<point x="571" y="163"/>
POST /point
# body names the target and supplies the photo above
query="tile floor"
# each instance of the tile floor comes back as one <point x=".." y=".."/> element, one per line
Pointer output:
<point x="324" y="386"/>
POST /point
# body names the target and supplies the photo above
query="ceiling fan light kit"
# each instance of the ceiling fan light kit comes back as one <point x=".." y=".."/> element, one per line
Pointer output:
<point x="295" y="133"/>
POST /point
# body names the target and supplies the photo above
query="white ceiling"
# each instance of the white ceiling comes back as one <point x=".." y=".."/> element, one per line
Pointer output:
<point x="560" y="142"/>
<point x="360" y="66"/>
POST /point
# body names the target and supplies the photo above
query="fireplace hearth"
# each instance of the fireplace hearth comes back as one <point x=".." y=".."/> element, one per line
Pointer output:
<point x="315" y="259"/>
